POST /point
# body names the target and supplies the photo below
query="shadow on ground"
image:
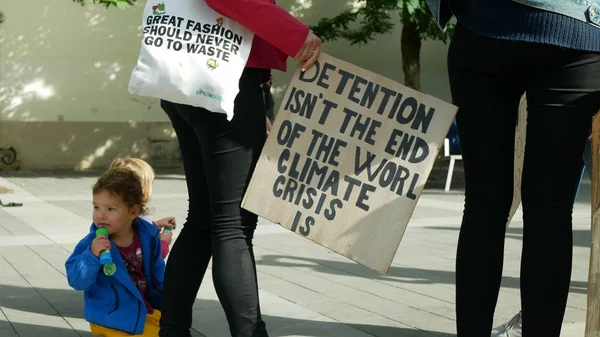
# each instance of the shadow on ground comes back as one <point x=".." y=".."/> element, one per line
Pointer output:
<point x="69" y="304"/>
<point x="581" y="237"/>
<point x="401" y="275"/>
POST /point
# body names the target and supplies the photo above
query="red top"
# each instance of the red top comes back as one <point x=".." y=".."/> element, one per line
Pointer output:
<point x="134" y="261"/>
<point x="278" y="33"/>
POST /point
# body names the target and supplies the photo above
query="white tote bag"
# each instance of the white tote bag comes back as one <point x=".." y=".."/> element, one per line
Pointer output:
<point x="191" y="55"/>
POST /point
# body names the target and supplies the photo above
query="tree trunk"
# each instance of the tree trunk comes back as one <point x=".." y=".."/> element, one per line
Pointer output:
<point x="411" y="55"/>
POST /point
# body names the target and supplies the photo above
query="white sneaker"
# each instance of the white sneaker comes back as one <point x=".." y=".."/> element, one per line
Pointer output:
<point x="510" y="329"/>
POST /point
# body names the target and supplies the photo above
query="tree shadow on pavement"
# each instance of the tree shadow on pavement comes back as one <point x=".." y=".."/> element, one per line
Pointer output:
<point x="395" y="274"/>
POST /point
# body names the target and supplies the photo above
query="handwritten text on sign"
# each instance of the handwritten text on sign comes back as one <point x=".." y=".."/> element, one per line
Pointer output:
<point x="347" y="159"/>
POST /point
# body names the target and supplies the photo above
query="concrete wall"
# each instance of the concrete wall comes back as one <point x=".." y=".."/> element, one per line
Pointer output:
<point x="64" y="71"/>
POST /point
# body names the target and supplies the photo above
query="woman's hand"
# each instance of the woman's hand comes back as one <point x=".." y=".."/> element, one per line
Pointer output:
<point x="310" y="51"/>
<point x="269" y="125"/>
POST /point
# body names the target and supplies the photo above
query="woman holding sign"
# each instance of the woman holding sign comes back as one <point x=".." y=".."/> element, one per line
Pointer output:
<point x="550" y="50"/>
<point x="219" y="157"/>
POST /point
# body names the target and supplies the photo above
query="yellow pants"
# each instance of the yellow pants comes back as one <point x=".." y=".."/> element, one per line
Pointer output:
<point x="150" y="328"/>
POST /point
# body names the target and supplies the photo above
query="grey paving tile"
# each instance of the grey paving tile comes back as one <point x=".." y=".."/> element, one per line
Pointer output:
<point x="47" y="326"/>
<point x="342" y="312"/>
<point x="29" y="264"/>
<point x="297" y="294"/>
<point x="22" y="300"/>
<point x="54" y="255"/>
<point x="427" y="321"/>
<point x="210" y="322"/>
<point x="385" y="327"/>
<point x="196" y="333"/>
<point x="311" y="328"/>
<point x="7" y="271"/>
<point x="11" y="225"/>
<point x="6" y="329"/>
<point x="3" y="231"/>
<point x="82" y="208"/>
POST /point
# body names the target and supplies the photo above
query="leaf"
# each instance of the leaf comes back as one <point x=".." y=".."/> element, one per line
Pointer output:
<point x="123" y="4"/>
<point x="374" y="19"/>
<point x="108" y="3"/>
<point x="411" y="6"/>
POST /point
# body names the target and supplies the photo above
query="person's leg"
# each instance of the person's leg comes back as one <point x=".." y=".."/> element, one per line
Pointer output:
<point x="192" y="250"/>
<point x="563" y="93"/>
<point x="485" y="86"/>
<point x="230" y="150"/>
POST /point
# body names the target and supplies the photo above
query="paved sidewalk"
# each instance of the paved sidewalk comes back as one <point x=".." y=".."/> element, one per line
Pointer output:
<point x="306" y="290"/>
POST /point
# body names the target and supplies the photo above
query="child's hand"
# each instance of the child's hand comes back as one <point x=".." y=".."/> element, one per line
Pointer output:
<point x="166" y="238"/>
<point x="168" y="222"/>
<point x="99" y="244"/>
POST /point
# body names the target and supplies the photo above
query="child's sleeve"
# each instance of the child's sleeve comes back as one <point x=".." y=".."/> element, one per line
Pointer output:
<point x="158" y="267"/>
<point x="164" y="249"/>
<point x="82" y="266"/>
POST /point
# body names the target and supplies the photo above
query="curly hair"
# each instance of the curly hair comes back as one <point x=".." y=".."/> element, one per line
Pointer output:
<point x="142" y="169"/>
<point x="125" y="183"/>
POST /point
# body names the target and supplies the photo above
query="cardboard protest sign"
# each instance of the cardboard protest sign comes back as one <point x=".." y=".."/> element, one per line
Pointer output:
<point x="592" y="326"/>
<point x="347" y="159"/>
<point x="520" y="134"/>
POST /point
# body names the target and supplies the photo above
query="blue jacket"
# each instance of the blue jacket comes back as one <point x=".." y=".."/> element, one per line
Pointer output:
<point x="114" y="301"/>
<point x="584" y="10"/>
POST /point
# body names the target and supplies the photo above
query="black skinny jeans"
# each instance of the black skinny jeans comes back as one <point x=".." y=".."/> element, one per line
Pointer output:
<point x="487" y="79"/>
<point x="219" y="157"/>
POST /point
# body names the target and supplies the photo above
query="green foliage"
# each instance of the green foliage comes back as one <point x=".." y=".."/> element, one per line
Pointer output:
<point x="108" y="3"/>
<point x="374" y="18"/>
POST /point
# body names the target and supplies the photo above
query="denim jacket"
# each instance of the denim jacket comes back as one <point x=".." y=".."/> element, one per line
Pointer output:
<point x="584" y="10"/>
